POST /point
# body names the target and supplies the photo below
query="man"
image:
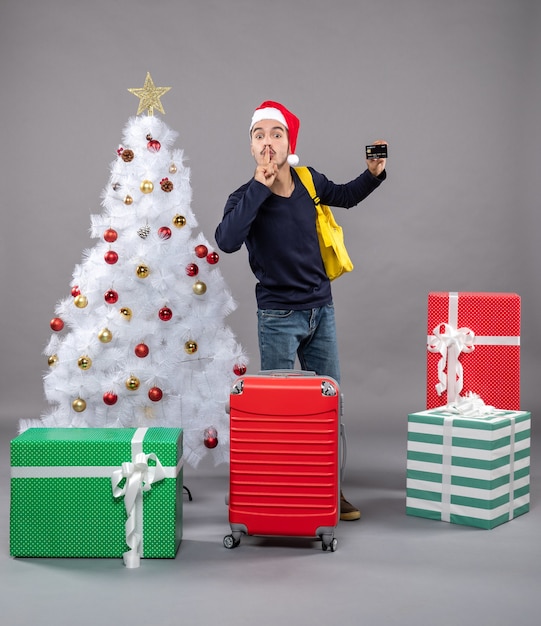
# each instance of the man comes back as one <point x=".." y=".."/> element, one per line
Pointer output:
<point x="274" y="215"/>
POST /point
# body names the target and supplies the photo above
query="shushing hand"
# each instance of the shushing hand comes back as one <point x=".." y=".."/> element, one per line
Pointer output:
<point x="267" y="171"/>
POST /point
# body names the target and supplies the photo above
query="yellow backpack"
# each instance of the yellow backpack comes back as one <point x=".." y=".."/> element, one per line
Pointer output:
<point x="331" y="236"/>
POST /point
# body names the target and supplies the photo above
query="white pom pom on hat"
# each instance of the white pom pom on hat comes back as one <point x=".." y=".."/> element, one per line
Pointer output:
<point x="270" y="110"/>
<point x="293" y="160"/>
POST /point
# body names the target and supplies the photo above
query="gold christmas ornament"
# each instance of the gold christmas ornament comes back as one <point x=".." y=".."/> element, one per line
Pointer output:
<point x="190" y="347"/>
<point x="128" y="200"/>
<point x="84" y="362"/>
<point x="146" y="186"/>
<point x="105" y="335"/>
<point x="80" y="301"/>
<point x="149" y="96"/>
<point x="172" y="168"/>
<point x="133" y="383"/>
<point x="78" y="405"/>
<point x="199" y="288"/>
<point x="179" y="221"/>
<point x="142" y="271"/>
<point x="52" y="360"/>
<point x="126" y="313"/>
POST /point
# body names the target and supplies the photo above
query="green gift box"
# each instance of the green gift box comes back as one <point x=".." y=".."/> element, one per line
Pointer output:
<point x="473" y="471"/>
<point x="96" y="492"/>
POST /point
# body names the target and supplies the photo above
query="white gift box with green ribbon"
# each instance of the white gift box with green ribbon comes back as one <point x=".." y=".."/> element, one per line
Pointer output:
<point x="473" y="471"/>
<point x="96" y="492"/>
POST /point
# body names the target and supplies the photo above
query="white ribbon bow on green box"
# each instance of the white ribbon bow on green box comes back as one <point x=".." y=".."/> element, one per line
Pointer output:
<point x="139" y="476"/>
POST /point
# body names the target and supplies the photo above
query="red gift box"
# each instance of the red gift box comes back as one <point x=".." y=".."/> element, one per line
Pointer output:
<point x="473" y="345"/>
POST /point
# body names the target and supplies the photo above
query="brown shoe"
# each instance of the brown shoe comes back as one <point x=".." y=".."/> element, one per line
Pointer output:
<point x="348" y="512"/>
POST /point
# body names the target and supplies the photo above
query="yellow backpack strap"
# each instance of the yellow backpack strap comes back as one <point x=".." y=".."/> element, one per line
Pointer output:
<point x="307" y="180"/>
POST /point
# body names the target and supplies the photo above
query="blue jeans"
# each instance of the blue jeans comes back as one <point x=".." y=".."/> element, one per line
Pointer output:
<point x="309" y="335"/>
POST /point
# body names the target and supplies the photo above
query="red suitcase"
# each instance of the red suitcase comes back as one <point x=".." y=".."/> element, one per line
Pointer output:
<point x="285" y="456"/>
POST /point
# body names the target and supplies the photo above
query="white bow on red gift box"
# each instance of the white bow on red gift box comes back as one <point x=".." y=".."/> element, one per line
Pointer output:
<point x="477" y="338"/>
<point x="450" y="342"/>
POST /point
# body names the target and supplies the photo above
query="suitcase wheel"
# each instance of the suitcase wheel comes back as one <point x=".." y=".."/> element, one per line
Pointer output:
<point x="230" y="542"/>
<point x="326" y="545"/>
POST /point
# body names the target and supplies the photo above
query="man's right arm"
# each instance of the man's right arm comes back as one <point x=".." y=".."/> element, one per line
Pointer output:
<point x="240" y="211"/>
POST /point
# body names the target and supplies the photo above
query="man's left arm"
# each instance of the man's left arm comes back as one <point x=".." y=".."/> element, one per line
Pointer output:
<point x="349" y="194"/>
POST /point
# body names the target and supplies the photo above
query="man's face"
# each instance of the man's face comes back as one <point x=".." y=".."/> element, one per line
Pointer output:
<point x="269" y="142"/>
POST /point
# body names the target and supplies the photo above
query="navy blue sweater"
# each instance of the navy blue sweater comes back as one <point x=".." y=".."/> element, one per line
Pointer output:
<point x="280" y="235"/>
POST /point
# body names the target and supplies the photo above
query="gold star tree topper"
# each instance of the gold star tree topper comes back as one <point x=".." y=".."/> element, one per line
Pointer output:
<point x="149" y="96"/>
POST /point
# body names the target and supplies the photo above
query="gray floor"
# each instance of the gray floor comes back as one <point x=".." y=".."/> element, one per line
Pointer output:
<point x="388" y="569"/>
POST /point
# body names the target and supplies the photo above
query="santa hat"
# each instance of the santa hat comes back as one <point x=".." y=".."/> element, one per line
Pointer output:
<point x="270" y="110"/>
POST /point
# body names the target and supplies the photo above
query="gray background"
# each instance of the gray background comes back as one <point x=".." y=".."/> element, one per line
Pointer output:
<point x="452" y="85"/>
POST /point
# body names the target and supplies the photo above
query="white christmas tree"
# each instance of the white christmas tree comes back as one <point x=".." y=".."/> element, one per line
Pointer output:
<point x="141" y="341"/>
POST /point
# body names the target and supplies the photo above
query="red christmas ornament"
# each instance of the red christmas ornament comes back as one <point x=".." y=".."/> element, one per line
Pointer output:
<point x="155" y="394"/>
<point x="110" y="296"/>
<point x="210" y="437"/>
<point x="111" y="257"/>
<point x="239" y="369"/>
<point x="110" y="398"/>
<point x="110" y="235"/>
<point x="57" y="324"/>
<point x="165" y="314"/>
<point x="141" y="350"/>
<point x="164" y="232"/>
<point x="192" y="269"/>
<point x="75" y="291"/>
<point x="213" y="258"/>
<point x="154" y="145"/>
<point x="201" y="251"/>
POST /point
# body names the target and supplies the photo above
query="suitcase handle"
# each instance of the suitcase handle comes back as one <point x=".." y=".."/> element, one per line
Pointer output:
<point x="286" y="372"/>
